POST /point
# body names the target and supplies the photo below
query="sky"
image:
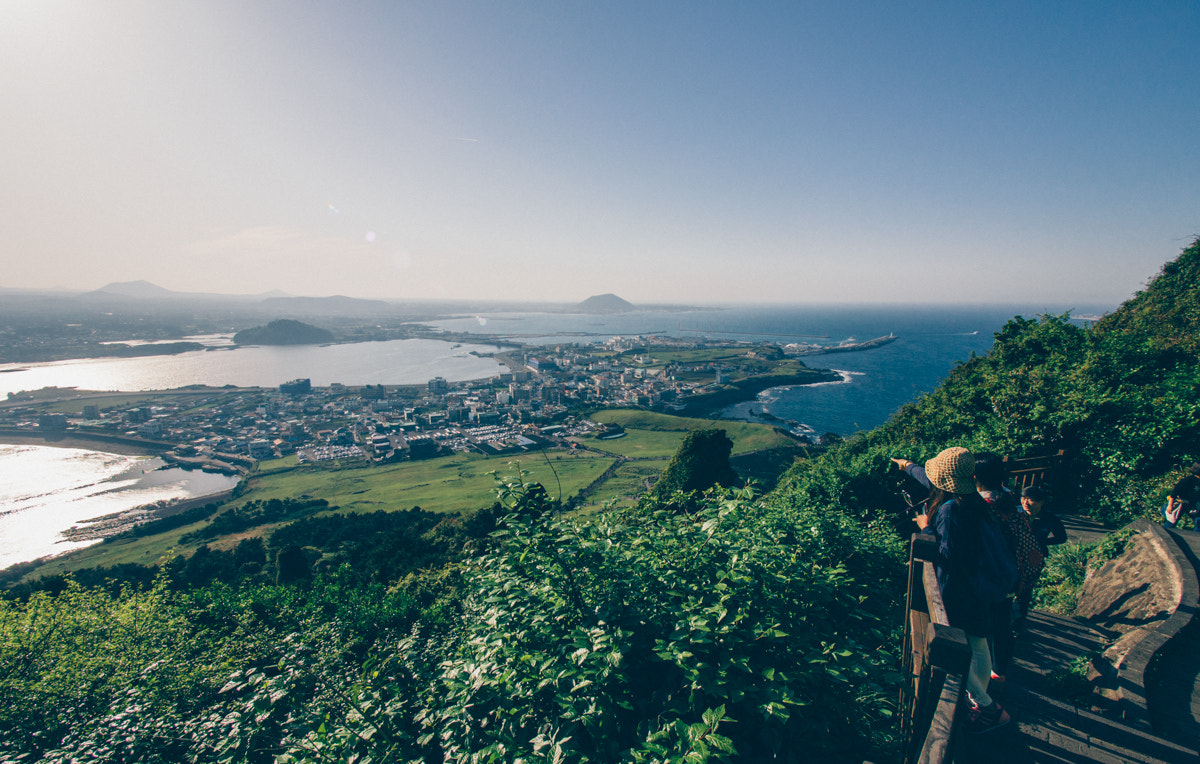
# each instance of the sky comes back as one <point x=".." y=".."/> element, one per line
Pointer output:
<point x="666" y="151"/>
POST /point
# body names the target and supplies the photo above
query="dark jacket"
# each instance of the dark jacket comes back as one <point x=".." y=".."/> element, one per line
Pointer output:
<point x="955" y="524"/>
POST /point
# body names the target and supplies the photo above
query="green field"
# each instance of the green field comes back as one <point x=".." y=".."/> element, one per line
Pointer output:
<point x="143" y="551"/>
<point x="746" y="436"/>
<point x="626" y="485"/>
<point x="640" y="444"/>
<point x="445" y="484"/>
<point x="461" y="482"/>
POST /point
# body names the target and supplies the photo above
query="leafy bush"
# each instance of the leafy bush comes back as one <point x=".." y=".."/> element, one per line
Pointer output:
<point x="1067" y="567"/>
<point x="67" y="659"/>
<point x="738" y="633"/>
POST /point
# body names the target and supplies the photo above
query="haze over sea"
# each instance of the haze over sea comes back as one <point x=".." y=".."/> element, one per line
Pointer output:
<point x="46" y="490"/>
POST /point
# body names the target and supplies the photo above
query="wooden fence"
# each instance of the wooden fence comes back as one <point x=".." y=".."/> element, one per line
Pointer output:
<point x="1033" y="470"/>
<point x="933" y="697"/>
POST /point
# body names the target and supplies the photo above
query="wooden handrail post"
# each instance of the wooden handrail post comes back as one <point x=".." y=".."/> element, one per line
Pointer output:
<point x="936" y="661"/>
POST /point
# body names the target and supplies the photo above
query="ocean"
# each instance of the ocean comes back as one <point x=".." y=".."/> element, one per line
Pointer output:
<point x="931" y="340"/>
<point x="46" y="490"/>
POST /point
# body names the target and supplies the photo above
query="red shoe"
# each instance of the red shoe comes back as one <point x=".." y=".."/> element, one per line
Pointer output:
<point x="987" y="719"/>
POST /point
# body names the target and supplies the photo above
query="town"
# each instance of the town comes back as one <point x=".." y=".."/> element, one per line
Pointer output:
<point x="541" y="399"/>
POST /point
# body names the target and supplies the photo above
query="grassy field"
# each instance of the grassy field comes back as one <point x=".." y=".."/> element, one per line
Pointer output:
<point x="452" y="483"/>
<point x="445" y="484"/>
<point x="144" y="551"/>
<point x="626" y="485"/>
<point x="640" y="444"/>
<point x="462" y="481"/>
<point x="746" y="436"/>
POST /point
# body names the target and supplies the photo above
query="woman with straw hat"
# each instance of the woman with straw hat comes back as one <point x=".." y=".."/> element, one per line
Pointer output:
<point x="954" y="515"/>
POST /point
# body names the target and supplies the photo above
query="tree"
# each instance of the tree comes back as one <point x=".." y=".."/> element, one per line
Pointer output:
<point x="701" y="462"/>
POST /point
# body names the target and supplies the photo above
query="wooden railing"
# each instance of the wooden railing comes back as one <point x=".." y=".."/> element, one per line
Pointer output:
<point x="933" y="697"/>
<point x="1032" y="470"/>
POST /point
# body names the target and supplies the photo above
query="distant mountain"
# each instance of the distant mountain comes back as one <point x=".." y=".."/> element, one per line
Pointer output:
<point x="337" y="305"/>
<point x="283" y="332"/>
<point x="605" y="303"/>
<point x="139" y="289"/>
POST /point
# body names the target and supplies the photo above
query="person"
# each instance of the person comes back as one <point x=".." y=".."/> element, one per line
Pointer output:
<point x="1049" y="531"/>
<point x="954" y="515"/>
<point x="1185" y="495"/>
<point x="1046" y="525"/>
<point x="1004" y="510"/>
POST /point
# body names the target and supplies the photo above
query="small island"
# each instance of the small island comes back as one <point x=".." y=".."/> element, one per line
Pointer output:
<point x="605" y="304"/>
<point x="284" y="332"/>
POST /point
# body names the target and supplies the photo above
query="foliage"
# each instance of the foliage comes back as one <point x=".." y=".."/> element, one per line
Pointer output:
<point x="1072" y="683"/>
<point x="164" y="524"/>
<point x="67" y="658"/>
<point x="738" y="633"/>
<point x="255" y="513"/>
<point x="1067" y="567"/>
<point x="701" y="462"/>
<point x="1167" y="312"/>
<point x="653" y="636"/>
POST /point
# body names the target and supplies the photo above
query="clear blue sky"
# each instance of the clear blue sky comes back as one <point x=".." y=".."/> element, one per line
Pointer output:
<point x="687" y="152"/>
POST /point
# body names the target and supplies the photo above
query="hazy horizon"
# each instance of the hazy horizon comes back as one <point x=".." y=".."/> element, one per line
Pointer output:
<point x="677" y="153"/>
<point x="500" y="305"/>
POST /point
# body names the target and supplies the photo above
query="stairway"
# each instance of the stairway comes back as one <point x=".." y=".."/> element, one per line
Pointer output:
<point x="1158" y="716"/>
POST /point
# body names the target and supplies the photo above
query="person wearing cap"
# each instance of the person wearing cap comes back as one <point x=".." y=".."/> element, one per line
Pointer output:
<point x="1049" y="531"/>
<point x="954" y="515"/>
<point x="1046" y="525"/>
<point x="1185" y="495"/>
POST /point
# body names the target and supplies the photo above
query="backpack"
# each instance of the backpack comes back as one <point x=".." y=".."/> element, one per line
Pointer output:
<point x="1022" y="539"/>
<point x="1024" y="544"/>
<point x="996" y="576"/>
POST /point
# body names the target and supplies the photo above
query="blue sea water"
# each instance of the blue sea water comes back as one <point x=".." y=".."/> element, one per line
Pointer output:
<point x="931" y="340"/>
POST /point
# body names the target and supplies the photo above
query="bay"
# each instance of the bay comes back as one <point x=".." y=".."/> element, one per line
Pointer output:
<point x="45" y="490"/>
<point x="931" y="340"/>
<point x="394" y="362"/>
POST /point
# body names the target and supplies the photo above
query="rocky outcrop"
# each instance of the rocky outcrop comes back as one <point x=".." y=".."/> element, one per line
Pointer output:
<point x="1145" y="598"/>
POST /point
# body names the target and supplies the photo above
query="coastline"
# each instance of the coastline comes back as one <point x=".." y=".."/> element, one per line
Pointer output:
<point x="709" y="404"/>
<point x="85" y="441"/>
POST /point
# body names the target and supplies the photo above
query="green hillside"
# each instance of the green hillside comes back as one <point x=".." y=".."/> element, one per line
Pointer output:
<point x="1122" y="400"/>
<point x="717" y="627"/>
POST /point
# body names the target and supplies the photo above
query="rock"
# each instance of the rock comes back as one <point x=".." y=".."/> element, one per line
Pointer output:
<point x="1136" y="590"/>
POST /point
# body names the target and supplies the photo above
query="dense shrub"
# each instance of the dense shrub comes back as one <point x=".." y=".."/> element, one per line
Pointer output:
<point x="741" y="633"/>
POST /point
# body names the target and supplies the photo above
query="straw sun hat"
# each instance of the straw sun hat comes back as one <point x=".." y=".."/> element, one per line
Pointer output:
<point x="952" y="470"/>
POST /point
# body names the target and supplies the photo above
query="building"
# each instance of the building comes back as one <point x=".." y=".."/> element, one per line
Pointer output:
<point x="52" y="422"/>
<point x="261" y="449"/>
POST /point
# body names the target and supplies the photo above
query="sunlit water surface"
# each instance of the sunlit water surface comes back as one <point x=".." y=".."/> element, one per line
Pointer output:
<point x="45" y="490"/>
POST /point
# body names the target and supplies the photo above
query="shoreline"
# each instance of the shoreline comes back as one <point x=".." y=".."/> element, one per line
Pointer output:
<point x="85" y="442"/>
